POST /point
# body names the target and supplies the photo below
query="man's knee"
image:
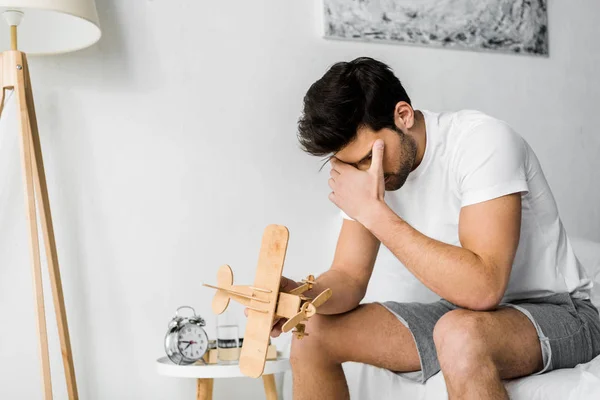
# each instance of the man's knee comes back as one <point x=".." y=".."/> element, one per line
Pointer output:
<point x="327" y="340"/>
<point x="460" y="341"/>
<point x="314" y="345"/>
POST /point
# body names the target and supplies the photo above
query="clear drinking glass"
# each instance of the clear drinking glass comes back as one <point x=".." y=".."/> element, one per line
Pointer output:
<point x="228" y="338"/>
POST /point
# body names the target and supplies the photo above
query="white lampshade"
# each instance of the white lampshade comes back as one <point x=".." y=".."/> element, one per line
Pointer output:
<point x="51" y="26"/>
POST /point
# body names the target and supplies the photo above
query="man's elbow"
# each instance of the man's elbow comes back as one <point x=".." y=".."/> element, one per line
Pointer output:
<point x="347" y="294"/>
<point x="485" y="304"/>
<point x="488" y="298"/>
<point x="346" y="302"/>
<point x="358" y="293"/>
<point x="492" y="286"/>
<point x="355" y="288"/>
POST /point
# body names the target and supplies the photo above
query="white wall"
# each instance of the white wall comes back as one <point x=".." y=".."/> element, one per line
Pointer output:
<point x="170" y="145"/>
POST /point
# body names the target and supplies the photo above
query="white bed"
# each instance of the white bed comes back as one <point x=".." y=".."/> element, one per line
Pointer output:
<point x="367" y="382"/>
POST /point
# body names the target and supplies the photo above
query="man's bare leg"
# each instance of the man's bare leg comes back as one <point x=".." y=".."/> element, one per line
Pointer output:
<point x="476" y="350"/>
<point x="368" y="334"/>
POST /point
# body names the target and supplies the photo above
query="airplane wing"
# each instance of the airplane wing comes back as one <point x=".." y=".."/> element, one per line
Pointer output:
<point x="268" y="276"/>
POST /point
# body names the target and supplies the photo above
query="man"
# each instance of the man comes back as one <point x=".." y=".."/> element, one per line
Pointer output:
<point x="460" y="200"/>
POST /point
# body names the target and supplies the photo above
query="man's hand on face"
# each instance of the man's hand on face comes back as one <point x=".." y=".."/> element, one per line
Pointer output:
<point x="285" y="285"/>
<point x="355" y="191"/>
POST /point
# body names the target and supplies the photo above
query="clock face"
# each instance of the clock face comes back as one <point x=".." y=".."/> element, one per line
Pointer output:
<point x="192" y="342"/>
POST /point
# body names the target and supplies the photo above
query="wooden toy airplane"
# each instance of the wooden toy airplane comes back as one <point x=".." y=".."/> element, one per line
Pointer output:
<point x="264" y="300"/>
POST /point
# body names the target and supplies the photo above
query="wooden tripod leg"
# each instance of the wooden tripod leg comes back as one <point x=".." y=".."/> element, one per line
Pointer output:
<point x="25" y="131"/>
<point x="270" y="388"/>
<point x="2" y="93"/>
<point x="205" y="389"/>
<point x="41" y="189"/>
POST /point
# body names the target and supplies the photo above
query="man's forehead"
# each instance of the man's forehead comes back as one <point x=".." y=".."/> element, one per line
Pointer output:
<point x="357" y="149"/>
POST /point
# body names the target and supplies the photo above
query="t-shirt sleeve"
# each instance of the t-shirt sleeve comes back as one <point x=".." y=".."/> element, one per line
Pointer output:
<point x="490" y="162"/>
<point x="346" y="216"/>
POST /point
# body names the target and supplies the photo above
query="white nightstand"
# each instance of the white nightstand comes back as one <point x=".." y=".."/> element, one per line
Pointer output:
<point x="205" y="374"/>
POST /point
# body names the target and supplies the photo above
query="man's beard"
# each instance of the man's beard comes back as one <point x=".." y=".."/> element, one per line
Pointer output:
<point x="408" y="153"/>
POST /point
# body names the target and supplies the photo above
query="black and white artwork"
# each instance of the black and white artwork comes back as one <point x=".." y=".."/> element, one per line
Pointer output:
<point x="516" y="26"/>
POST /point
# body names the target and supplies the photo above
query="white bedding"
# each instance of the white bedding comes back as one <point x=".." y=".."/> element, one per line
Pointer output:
<point x="580" y="383"/>
<point x="368" y="383"/>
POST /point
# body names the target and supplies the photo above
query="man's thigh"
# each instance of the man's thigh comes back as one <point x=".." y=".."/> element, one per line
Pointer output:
<point x="516" y="346"/>
<point x="368" y="334"/>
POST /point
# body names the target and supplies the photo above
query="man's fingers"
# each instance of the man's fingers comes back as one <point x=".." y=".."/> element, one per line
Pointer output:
<point x="377" y="156"/>
<point x="280" y="323"/>
<point x="285" y="285"/>
<point x="333" y="173"/>
<point x="338" y="165"/>
<point x="276" y="331"/>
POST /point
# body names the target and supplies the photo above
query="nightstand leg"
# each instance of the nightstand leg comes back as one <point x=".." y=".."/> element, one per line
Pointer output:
<point x="205" y="389"/>
<point x="270" y="388"/>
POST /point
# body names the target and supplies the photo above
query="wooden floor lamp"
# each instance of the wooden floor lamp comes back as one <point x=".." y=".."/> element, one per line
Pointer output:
<point x="44" y="27"/>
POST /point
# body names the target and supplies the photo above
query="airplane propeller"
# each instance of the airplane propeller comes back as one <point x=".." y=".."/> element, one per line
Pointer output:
<point x="308" y="309"/>
<point x="321" y="298"/>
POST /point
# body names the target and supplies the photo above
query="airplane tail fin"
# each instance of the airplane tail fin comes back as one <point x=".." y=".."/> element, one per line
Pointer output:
<point x="224" y="280"/>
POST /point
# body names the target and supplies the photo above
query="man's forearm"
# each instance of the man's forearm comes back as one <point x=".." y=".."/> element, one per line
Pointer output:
<point x="456" y="274"/>
<point x="346" y="293"/>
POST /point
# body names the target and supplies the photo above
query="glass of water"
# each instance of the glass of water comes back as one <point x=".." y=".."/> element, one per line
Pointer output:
<point x="227" y="338"/>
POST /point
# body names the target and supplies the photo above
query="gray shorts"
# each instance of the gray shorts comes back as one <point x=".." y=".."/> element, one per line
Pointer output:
<point x="568" y="328"/>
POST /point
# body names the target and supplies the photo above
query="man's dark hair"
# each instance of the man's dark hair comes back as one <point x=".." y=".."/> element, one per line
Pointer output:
<point x="362" y="92"/>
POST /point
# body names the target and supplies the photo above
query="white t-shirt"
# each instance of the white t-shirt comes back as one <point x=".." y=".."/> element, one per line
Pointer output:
<point x="470" y="158"/>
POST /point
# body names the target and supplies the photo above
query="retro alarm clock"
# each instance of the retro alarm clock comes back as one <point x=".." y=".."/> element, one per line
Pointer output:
<point x="186" y="340"/>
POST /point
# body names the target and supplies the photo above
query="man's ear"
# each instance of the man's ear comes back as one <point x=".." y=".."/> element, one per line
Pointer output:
<point x="404" y="115"/>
